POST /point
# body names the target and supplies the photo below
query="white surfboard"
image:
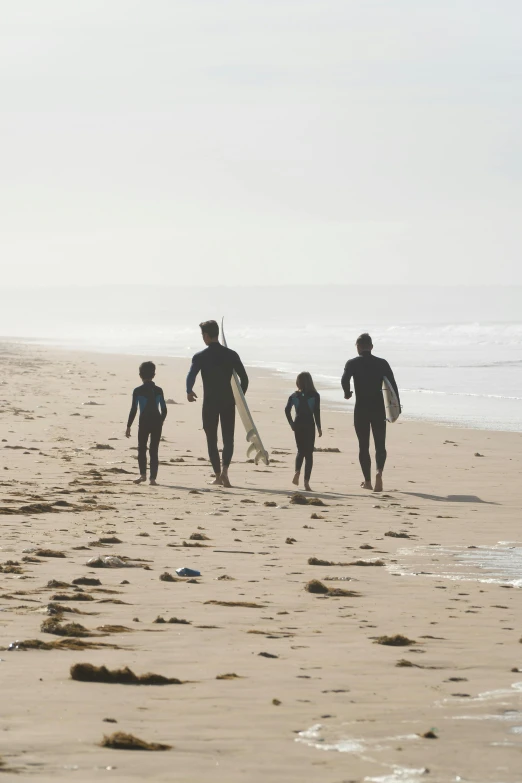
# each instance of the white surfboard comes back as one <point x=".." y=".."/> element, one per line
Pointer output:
<point x="391" y="403"/>
<point x="256" y="448"/>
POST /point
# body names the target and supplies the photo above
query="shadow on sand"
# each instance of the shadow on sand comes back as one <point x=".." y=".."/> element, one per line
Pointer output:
<point x="286" y="493"/>
<point x="451" y="498"/>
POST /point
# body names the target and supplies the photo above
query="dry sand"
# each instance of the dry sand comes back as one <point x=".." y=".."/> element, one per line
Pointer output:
<point x="327" y="703"/>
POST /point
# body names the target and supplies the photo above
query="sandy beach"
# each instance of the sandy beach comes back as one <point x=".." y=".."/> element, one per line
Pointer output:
<point x="310" y="692"/>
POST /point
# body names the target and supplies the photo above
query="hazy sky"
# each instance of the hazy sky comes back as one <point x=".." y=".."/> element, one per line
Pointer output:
<point x="260" y="141"/>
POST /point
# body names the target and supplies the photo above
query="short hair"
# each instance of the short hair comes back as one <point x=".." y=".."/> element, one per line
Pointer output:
<point x="209" y="327"/>
<point x="147" y="370"/>
<point x="364" y="341"/>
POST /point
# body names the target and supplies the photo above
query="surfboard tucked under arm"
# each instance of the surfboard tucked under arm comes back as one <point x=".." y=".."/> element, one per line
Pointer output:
<point x="256" y="448"/>
<point x="391" y="403"/>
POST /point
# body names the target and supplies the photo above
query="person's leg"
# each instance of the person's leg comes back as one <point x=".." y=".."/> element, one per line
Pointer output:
<point x="309" y="455"/>
<point x="143" y="437"/>
<point x="379" y="438"/>
<point x="210" y="425"/>
<point x="299" y="457"/>
<point x="227" y="416"/>
<point x="155" y="437"/>
<point x="361" y="421"/>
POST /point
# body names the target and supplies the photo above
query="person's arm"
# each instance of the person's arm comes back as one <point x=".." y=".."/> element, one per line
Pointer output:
<point x="345" y="380"/>
<point x="195" y="367"/>
<point x="133" y="412"/>
<point x="162" y="405"/>
<point x="243" y="377"/>
<point x="389" y="374"/>
<point x="317" y="413"/>
<point x="288" y="411"/>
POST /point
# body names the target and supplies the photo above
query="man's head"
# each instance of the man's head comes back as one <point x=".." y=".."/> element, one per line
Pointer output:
<point x="147" y="371"/>
<point x="209" y="332"/>
<point x="363" y="343"/>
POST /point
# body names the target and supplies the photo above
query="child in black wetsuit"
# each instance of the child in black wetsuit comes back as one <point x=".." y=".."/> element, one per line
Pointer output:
<point x="149" y="399"/>
<point x="307" y="404"/>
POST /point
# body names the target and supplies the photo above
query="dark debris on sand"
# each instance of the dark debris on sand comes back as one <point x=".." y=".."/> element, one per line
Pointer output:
<point x="72" y="597"/>
<point x="392" y="534"/>
<point x="63" y="644"/>
<point x="316" y="561"/>
<point x="245" y="604"/>
<point x="299" y="499"/>
<point x="315" y="586"/>
<point x="166" y="577"/>
<point x="229" y="676"/>
<point x="54" y="626"/>
<point x="122" y="741"/>
<point x="87" y="672"/>
<point x="173" y="620"/>
<point x="398" y="640"/>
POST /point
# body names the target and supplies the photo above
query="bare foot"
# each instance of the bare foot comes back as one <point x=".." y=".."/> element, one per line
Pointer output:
<point x="140" y="480"/>
<point x="217" y="482"/>
<point x="295" y="479"/>
<point x="153" y="483"/>
<point x="308" y="487"/>
<point x="378" y="483"/>
<point x="366" y="485"/>
<point x="225" y="481"/>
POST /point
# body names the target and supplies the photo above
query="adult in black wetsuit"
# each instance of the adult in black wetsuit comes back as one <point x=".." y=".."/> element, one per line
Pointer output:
<point x="153" y="411"/>
<point x="367" y="372"/>
<point x="307" y="404"/>
<point x="217" y="364"/>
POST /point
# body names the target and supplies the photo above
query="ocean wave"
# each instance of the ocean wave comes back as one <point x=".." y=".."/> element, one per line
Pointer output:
<point x="461" y="394"/>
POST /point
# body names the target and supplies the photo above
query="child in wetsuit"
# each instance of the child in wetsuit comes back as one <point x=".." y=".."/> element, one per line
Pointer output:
<point x="153" y="411"/>
<point x="307" y="404"/>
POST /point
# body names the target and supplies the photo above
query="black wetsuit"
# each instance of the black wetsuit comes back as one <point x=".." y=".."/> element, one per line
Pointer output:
<point x="153" y="411"/>
<point x="217" y="364"/>
<point x="307" y="416"/>
<point x="367" y="372"/>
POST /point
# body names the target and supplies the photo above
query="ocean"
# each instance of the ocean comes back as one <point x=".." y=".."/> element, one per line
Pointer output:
<point x="456" y="351"/>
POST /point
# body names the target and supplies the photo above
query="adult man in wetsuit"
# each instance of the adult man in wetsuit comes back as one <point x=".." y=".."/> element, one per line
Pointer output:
<point x="217" y="364"/>
<point x="367" y="372"/>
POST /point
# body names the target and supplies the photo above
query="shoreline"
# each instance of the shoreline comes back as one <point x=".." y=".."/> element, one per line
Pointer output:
<point x="283" y="375"/>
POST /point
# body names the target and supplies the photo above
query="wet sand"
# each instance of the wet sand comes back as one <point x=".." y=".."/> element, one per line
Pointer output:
<point x="315" y="696"/>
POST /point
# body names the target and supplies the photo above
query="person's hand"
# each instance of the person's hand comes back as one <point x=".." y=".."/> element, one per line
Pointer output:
<point x="347" y="396"/>
<point x="320" y="432"/>
<point x="192" y="396"/>
<point x="128" y="433"/>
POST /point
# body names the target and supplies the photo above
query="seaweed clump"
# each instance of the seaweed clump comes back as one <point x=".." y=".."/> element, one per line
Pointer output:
<point x="87" y="672"/>
<point x="398" y="640"/>
<point x="392" y="534"/>
<point x="315" y="586"/>
<point x="166" y="577"/>
<point x="53" y="625"/>
<point x="299" y="499"/>
<point x="245" y="604"/>
<point x="122" y="741"/>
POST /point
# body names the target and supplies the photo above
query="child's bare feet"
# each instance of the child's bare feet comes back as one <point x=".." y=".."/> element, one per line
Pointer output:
<point x="217" y="481"/>
<point x="366" y="485"/>
<point x="295" y="479"/>
<point x="307" y="486"/>
<point x="378" y="483"/>
<point x="153" y="483"/>
<point x="140" y="480"/>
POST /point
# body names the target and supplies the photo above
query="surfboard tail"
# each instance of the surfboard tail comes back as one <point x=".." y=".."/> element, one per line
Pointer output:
<point x="256" y="448"/>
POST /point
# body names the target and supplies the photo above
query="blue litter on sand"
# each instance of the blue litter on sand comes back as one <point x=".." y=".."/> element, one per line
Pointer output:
<point x="187" y="572"/>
